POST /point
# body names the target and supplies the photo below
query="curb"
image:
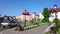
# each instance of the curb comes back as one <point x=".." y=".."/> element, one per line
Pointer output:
<point x="33" y="26"/>
<point x="46" y="30"/>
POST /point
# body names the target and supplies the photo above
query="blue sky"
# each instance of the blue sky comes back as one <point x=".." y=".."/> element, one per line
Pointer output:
<point x="16" y="7"/>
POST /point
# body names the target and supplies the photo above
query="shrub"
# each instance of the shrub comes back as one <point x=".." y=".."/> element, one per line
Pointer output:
<point x="35" y="23"/>
<point x="45" y="20"/>
<point x="16" y="29"/>
<point x="1" y="21"/>
<point x="46" y="32"/>
<point x="21" y="28"/>
<point x="55" y="20"/>
<point x="58" y="21"/>
<point x="59" y="31"/>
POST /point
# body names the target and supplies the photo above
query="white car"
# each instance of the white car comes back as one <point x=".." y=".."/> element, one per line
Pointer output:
<point x="4" y="24"/>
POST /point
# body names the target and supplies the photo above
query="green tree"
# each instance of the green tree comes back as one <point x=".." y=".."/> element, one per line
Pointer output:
<point x="46" y="13"/>
<point x="45" y="20"/>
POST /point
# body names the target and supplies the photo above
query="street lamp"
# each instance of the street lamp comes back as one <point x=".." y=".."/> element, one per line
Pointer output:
<point x="55" y="6"/>
<point x="25" y="13"/>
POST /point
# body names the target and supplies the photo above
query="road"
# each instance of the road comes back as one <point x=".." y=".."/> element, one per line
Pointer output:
<point x="36" y="30"/>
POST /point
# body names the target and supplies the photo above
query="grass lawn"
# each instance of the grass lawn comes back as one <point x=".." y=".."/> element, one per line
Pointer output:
<point x="34" y="23"/>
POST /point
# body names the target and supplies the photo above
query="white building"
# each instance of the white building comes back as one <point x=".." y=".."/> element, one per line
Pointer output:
<point x="55" y="11"/>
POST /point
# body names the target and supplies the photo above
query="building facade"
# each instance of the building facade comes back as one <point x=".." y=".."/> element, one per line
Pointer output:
<point x="28" y="17"/>
<point x="52" y="13"/>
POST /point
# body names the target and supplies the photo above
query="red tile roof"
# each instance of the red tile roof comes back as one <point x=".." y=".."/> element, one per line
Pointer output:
<point x="54" y="10"/>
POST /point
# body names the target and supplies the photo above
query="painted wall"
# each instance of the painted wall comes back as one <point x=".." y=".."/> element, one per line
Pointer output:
<point x="52" y="16"/>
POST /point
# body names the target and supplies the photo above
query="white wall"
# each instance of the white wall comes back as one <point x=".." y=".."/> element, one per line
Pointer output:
<point x="52" y="16"/>
<point x="58" y="15"/>
<point x="41" y="16"/>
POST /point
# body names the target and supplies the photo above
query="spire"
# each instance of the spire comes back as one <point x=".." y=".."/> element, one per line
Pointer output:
<point x="55" y="6"/>
<point x="25" y="10"/>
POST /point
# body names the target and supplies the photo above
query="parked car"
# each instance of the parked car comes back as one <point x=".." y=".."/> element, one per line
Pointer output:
<point x="13" y="24"/>
<point x="4" y="23"/>
<point x="9" y="24"/>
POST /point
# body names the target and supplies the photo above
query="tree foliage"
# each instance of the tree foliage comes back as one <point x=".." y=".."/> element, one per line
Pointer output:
<point x="45" y="20"/>
<point x="46" y="13"/>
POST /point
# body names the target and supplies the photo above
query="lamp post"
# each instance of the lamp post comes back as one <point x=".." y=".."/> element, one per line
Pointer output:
<point x="55" y="6"/>
<point x="25" y="13"/>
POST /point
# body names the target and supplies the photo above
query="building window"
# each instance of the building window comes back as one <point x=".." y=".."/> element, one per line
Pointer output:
<point x="52" y="16"/>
